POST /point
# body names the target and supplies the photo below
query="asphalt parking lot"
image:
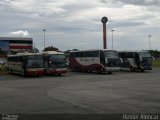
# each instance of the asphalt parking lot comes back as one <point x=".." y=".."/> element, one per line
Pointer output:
<point x="121" y="92"/>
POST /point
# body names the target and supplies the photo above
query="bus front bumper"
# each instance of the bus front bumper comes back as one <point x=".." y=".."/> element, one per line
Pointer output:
<point x="146" y="68"/>
<point x="35" y="72"/>
<point x="57" y="71"/>
<point x="112" y="69"/>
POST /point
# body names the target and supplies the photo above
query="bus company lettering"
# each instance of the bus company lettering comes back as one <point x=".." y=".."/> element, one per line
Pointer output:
<point x="140" y="117"/>
<point x="130" y="117"/>
<point x="87" y="59"/>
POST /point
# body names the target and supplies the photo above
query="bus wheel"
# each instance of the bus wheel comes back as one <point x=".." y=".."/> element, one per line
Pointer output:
<point x="59" y="74"/>
<point x="77" y="69"/>
<point x="99" y="71"/>
<point x="23" y="73"/>
<point x="110" y="72"/>
<point x="142" y="70"/>
<point x="131" y="69"/>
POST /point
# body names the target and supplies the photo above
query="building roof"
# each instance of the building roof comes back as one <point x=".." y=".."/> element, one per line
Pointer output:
<point x="15" y="38"/>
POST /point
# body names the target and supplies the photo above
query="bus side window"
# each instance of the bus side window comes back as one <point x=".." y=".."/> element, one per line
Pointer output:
<point x="44" y="58"/>
<point x="73" y="54"/>
<point x="130" y="55"/>
<point x="78" y="54"/>
<point x="25" y="60"/>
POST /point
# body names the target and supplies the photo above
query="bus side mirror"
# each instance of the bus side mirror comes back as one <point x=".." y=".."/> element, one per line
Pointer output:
<point x="106" y="60"/>
<point x="140" y="58"/>
<point x="153" y="58"/>
<point x="121" y="61"/>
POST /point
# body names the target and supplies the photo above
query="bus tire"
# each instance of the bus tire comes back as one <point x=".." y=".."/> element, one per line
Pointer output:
<point x="59" y="74"/>
<point x="11" y="71"/>
<point x="76" y="69"/>
<point x="109" y="72"/>
<point x="98" y="71"/>
<point x="131" y="69"/>
<point x="142" y="70"/>
<point x="23" y="73"/>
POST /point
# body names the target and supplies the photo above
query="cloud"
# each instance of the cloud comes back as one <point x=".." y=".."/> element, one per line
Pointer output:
<point x="20" y="33"/>
<point x="42" y="7"/>
<point x="137" y="2"/>
<point x="69" y="23"/>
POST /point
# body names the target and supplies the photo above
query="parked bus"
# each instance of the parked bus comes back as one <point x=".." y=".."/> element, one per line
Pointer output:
<point x="94" y="60"/>
<point x="135" y="60"/>
<point x="26" y="64"/>
<point x="55" y="62"/>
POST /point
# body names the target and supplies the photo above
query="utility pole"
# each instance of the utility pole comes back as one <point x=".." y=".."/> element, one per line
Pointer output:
<point x="149" y="36"/>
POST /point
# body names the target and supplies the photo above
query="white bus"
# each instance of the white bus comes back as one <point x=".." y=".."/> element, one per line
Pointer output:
<point x="26" y="64"/>
<point x="54" y="62"/>
<point x="135" y="60"/>
<point x="94" y="60"/>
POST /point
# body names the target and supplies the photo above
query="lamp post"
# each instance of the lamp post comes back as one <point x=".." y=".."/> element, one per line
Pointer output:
<point x="112" y="38"/>
<point x="44" y="30"/>
<point x="149" y="36"/>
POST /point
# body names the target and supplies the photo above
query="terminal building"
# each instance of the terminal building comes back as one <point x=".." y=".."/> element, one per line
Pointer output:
<point x="13" y="44"/>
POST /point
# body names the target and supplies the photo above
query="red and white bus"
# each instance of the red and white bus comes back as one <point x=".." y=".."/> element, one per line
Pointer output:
<point x="94" y="60"/>
<point x="26" y="64"/>
<point x="55" y="62"/>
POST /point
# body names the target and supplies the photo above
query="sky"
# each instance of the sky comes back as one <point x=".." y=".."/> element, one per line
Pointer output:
<point x="76" y="24"/>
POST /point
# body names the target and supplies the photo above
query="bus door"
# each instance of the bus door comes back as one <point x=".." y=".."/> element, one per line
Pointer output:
<point x="102" y="58"/>
<point x="131" y="59"/>
<point x="124" y="61"/>
<point x="137" y="60"/>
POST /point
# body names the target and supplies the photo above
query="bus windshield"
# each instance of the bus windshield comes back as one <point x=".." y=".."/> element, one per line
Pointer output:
<point x="35" y="61"/>
<point x="145" y="54"/>
<point x="111" y="54"/>
<point x="58" y="58"/>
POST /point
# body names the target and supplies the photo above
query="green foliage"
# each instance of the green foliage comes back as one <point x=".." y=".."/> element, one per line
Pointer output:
<point x="155" y="53"/>
<point x="156" y="63"/>
<point x="67" y="51"/>
<point x="3" y="52"/>
<point x="51" y="48"/>
<point x="3" y="68"/>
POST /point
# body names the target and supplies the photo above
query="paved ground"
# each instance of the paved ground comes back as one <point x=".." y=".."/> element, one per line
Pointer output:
<point x="121" y="92"/>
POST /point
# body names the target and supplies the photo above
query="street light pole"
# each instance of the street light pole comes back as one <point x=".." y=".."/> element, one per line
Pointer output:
<point x="44" y="30"/>
<point x="149" y="41"/>
<point x="112" y="38"/>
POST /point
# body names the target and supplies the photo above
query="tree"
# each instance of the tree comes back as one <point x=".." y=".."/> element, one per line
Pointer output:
<point x="75" y="50"/>
<point x="35" y="50"/>
<point x="51" y="48"/>
<point x="155" y="53"/>
<point x="2" y="52"/>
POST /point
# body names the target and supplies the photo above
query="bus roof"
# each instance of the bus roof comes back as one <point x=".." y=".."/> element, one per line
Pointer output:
<point x="94" y="50"/>
<point x="52" y="52"/>
<point x="25" y="54"/>
<point x="133" y="51"/>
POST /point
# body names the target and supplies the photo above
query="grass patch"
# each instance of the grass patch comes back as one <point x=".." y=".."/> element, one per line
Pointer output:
<point x="156" y="63"/>
<point x="3" y="69"/>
